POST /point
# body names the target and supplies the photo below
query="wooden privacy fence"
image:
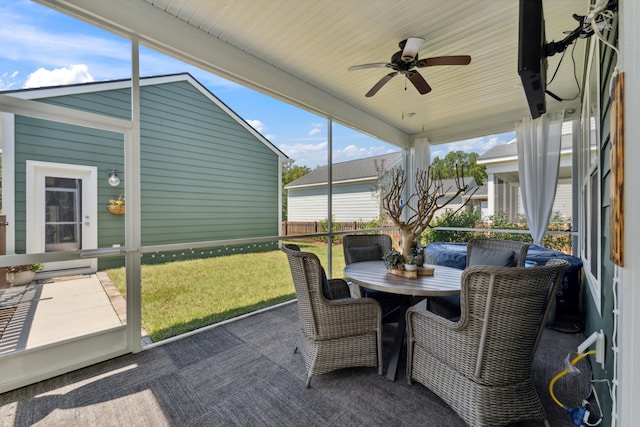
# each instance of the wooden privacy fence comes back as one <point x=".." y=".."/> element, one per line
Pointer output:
<point x="292" y="228"/>
<point x="310" y="227"/>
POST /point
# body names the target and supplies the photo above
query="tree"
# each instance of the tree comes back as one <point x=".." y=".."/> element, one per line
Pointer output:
<point x="446" y="168"/>
<point x="413" y="213"/>
<point x="289" y="174"/>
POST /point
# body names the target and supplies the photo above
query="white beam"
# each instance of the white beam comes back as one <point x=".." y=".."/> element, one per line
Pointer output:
<point x="167" y="34"/>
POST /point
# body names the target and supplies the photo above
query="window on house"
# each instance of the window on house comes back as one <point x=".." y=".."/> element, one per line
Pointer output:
<point x="590" y="231"/>
<point x="593" y="227"/>
<point x="590" y="173"/>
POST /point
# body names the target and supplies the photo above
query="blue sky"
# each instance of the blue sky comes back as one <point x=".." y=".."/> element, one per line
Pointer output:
<point x="41" y="47"/>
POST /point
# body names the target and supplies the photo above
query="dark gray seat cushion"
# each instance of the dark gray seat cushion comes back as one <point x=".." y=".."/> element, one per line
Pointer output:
<point x="364" y="253"/>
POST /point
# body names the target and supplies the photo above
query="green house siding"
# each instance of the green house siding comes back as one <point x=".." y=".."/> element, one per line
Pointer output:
<point x="53" y="142"/>
<point x="113" y="103"/>
<point x="202" y="170"/>
<point x="204" y="176"/>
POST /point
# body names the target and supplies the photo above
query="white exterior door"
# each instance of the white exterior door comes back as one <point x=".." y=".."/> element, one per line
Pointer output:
<point x="62" y="215"/>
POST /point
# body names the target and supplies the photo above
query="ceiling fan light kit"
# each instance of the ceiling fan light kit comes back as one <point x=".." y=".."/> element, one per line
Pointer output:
<point x="410" y="48"/>
<point x="405" y="60"/>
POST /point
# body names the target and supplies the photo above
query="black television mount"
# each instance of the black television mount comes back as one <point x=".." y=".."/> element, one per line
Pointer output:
<point x="584" y="31"/>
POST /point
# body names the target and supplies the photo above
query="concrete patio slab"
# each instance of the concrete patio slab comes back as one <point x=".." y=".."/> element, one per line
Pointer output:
<point x="71" y="308"/>
<point x="56" y="310"/>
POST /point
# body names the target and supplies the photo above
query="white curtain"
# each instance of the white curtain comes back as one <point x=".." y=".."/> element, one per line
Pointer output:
<point x="538" y="163"/>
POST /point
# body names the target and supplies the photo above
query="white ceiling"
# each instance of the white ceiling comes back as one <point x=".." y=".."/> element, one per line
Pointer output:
<point x="299" y="51"/>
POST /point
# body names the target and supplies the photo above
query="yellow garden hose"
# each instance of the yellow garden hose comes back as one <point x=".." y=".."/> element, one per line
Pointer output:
<point x="577" y="416"/>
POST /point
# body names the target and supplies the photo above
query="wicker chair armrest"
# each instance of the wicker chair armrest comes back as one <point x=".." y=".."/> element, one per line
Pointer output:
<point x="339" y="289"/>
<point x="451" y="341"/>
<point x="420" y="313"/>
<point x="348" y="317"/>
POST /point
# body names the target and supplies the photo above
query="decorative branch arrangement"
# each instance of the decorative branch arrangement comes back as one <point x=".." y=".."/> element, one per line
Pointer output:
<point x="413" y="215"/>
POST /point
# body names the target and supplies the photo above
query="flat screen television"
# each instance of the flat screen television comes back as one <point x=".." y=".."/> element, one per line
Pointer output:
<point x="532" y="61"/>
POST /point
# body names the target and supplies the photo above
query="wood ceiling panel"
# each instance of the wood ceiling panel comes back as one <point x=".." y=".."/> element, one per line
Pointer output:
<point x="316" y="42"/>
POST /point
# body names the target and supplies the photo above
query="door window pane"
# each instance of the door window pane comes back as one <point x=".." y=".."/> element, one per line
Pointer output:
<point x="63" y="214"/>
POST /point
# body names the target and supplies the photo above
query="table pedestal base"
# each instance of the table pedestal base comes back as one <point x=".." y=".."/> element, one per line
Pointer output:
<point x="398" y="344"/>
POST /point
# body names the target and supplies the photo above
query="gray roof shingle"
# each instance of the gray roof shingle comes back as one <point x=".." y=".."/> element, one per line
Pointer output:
<point x="365" y="169"/>
<point x="351" y="170"/>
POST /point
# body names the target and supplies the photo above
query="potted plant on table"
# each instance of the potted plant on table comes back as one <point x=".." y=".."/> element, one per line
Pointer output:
<point x="22" y="274"/>
<point x="393" y="260"/>
<point x="411" y="262"/>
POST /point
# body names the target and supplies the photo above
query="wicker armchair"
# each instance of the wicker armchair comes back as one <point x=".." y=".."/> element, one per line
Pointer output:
<point x="519" y="248"/>
<point x="336" y="333"/>
<point x="481" y="364"/>
<point x="371" y="247"/>
<point x="362" y="247"/>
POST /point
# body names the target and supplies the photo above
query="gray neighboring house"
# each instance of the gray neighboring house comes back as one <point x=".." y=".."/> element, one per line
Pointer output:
<point x="503" y="183"/>
<point x="206" y="174"/>
<point x="353" y="191"/>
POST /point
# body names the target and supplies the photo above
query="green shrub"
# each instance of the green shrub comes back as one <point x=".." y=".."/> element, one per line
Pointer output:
<point x="363" y="225"/>
<point x="473" y="219"/>
<point x="463" y="219"/>
<point x="335" y="226"/>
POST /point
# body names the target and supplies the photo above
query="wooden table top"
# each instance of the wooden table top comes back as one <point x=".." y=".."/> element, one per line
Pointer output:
<point x="374" y="275"/>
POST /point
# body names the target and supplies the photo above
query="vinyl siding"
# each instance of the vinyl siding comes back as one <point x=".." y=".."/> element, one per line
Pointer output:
<point x="351" y="202"/>
<point x="203" y="171"/>
<point x="307" y="204"/>
<point x="562" y="204"/>
<point x="355" y="202"/>
<point x="203" y="175"/>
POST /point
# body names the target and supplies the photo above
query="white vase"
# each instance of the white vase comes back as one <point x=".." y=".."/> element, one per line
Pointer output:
<point x="410" y="267"/>
<point x="21" y="278"/>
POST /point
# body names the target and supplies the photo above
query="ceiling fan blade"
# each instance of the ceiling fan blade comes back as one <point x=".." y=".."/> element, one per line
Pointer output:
<point x="380" y="83"/>
<point x="410" y="48"/>
<point x="444" y="60"/>
<point x="419" y="82"/>
<point x="373" y="65"/>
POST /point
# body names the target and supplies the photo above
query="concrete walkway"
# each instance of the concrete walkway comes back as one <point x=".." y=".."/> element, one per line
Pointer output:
<point x="59" y="309"/>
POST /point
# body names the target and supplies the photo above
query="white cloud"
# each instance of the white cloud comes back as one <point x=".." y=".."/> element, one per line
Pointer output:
<point x="306" y="154"/>
<point x="316" y="128"/>
<point x="59" y="76"/>
<point x="313" y="155"/>
<point x="353" y="152"/>
<point x="8" y="80"/>
<point x="261" y="127"/>
<point x="26" y="42"/>
<point x="34" y="36"/>
<point x="257" y="125"/>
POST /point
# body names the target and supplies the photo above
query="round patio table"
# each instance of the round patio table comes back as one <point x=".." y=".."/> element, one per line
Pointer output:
<point x="374" y="275"/>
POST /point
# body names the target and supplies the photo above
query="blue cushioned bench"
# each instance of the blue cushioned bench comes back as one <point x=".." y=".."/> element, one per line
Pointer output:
<point x="569" y="292"/>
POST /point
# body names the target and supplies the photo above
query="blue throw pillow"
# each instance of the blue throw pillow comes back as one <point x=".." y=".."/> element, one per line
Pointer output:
<point x="492" y="257"/>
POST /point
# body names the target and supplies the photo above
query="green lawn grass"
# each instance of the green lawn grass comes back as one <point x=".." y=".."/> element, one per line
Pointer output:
<point x="181" y="296"/>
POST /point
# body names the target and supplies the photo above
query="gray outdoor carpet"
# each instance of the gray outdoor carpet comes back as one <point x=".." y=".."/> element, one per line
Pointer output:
<point x="246" y="374"/>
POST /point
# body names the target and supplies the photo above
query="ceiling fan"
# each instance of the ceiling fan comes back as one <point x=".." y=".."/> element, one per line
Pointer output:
<point x="404" y="61"/>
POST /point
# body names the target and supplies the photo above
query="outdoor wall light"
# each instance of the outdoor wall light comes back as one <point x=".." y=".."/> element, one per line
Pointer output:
<point x="113" y="180"/>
